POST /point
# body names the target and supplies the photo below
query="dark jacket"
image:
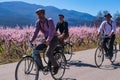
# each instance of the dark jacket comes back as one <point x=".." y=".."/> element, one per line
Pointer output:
<point x="62" y="27"/>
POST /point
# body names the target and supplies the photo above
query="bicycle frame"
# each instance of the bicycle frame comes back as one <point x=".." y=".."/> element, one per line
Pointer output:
<point x="101" y="53"/>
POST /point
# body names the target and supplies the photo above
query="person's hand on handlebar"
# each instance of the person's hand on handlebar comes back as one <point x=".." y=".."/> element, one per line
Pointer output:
<point x="98" y="34"/>
<point x="110" y="35"/>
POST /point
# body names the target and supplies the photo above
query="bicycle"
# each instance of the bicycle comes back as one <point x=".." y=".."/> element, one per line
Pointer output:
<point x="100" y="52"/>
<point x="67" y="50"/>
<point x="68" y="45"/>
<point x="28" y="69"/>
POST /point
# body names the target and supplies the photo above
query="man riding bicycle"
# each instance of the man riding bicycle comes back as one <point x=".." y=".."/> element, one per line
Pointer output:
<point x="46" y="26"/>
<point x="108" y="28"/>
<point x="62" y="26"/>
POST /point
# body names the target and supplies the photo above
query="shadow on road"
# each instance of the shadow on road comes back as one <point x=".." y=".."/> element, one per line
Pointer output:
<point x="116" y="65"/>
<point x="111" y="67"/>
<point x="78" y="63"/>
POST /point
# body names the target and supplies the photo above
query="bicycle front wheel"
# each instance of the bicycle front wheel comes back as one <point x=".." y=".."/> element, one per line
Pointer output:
<point x="26" y="69"/>
<point x="99" y="56"/>
<point x="68" y="51"/>
<point x="61" y="61"/>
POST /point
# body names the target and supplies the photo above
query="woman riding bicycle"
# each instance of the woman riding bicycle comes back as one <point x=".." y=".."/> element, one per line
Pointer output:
<point x="46" y="26"/>
<point x="108" y="28"/>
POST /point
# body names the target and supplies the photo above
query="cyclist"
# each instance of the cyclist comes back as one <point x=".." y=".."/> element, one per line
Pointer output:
<point x="62" y="26"/>
<point x="46" y="26"/>
<point x="108" y="28"/>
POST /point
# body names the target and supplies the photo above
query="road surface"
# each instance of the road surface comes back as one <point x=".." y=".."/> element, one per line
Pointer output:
<point x="81" y="67"/>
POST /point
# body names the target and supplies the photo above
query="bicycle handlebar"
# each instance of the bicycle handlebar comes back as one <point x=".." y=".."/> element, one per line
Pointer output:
<point x="33" y="45"/>
<point x="103" y="36"/>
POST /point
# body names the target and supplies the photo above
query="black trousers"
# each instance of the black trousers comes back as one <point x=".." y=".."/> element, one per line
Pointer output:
<point x="109" y="49"/>
<point x="49" y="51"/>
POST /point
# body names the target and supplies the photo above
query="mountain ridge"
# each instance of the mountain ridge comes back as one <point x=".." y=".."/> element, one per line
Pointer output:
<point x="21" y="13"/>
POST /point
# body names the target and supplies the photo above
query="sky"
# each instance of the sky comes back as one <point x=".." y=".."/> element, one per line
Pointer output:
<point x="88" y="6"/>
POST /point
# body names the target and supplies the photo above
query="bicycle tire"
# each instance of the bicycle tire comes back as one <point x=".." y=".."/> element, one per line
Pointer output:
<point x="28" y="67"/>
<point x="114" y="53"/>
<point x="68" y="51"/>
<point x="99" y="54"/>
<point x="61" y="60"/>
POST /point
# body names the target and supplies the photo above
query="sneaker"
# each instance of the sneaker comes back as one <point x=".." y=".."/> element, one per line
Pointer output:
<point x="110" y="57"/>
<point x="106" y="55"/>
<point x="55" y="70"/>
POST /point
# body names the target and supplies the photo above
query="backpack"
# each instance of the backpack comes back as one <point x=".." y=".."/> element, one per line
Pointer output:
<point x="41" y="27"/>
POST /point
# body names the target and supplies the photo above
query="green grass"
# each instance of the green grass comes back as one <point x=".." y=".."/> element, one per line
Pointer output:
<point x="6" y="58"/>
<point x="10" y="58"/>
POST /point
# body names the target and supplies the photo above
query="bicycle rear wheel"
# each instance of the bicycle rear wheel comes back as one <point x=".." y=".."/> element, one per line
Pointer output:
<point x="99" y="56"/>
<point x="60" y="58"/>
<point x="68" y="51"/>
<point x="114" y="54"/>
<point x="26" y="69"/>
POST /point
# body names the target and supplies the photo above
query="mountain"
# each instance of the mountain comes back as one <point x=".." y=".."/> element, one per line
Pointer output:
<point x="21" y="13"/>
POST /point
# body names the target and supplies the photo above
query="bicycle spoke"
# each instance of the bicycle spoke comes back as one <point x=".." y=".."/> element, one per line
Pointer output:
<point x="60" y="58"/>
<point x="68" y="51"/>
<point x="25" y="69"/>
<point x="99" y="57"/>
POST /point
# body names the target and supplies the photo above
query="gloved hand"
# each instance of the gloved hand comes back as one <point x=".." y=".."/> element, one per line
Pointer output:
<point x="30" y="44"/>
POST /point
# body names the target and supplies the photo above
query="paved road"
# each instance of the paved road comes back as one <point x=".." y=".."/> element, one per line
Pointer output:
<point x="81" y="67"/>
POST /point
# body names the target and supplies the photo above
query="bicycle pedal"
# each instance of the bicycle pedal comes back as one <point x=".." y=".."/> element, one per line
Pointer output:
<point x="45" y="73"/>
<point x="46" y="69"/>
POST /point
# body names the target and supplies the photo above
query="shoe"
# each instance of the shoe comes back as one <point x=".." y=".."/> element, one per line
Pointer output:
<point x="110" y="58"/>
<point x="55" y="70"/>
<point x="106" y="55"/>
